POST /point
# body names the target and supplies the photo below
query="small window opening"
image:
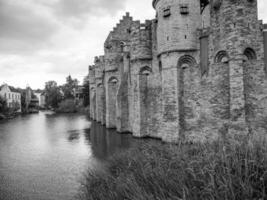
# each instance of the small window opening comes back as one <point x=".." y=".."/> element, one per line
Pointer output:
<point x="166" y="12"/>
<point x="185" y="37"/>
<point x="167" y="38"/>
<point x="142" y="27"/>
<point x="184" y="9"/>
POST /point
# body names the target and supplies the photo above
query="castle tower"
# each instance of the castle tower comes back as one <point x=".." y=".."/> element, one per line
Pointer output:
<point x="237" y="40"/>
<point x="178" y="49"/>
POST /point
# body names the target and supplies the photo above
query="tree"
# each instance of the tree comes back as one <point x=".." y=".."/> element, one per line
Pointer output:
<point x="52" y="94"/>
<point x="68" y="88"/>
<point x="86" y="94"/>
<point x="23" y="100"/>
<point x="3" y="105"/>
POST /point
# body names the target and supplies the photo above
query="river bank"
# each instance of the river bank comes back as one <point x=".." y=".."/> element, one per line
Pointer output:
<point x="195" y="172"/>
<point x="4" y="116"/>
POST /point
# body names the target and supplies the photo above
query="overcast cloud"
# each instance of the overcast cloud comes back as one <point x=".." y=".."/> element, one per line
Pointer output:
<point x="45" y="40"/>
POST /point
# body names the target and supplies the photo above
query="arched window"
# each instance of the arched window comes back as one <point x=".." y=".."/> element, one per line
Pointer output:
<point x="186" y="61"/>
<point x="92" y="89"/>
<point x="99" y="85"/>
<point x="145" y="71"/>
<point x="221" y="57"/>
<point x="113" y="80"/>
<point x="250" y="54"/>
<point x="122" y="45"/>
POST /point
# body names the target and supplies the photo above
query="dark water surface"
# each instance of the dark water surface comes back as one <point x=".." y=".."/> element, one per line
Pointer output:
<point x="44" y="156"/>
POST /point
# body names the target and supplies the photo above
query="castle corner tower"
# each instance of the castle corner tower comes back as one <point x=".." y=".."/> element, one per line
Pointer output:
<point x="178" y="52"/>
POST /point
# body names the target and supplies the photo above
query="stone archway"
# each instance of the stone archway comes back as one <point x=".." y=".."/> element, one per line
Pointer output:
<point x="143" y="98"/>
<point x="100" y="103"/>
<point x="221" y="57"/>
<point x="250" y="54"/>
<point x="141" y="102"/>
<point x="112" y="89"/>
<point x="187" y="74"/>
<point x="250" y="71"/>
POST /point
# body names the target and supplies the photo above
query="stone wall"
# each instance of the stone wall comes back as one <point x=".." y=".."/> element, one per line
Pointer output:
<point x="192" y="74"/>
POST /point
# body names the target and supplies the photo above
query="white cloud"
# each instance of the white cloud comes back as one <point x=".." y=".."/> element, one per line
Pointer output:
<point x="44" y="40"/>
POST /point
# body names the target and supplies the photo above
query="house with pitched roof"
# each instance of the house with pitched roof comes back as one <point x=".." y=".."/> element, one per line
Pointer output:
<point x="12" y="96"/>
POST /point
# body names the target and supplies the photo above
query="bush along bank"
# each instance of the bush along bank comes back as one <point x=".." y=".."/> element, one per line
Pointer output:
<point x="9" y="115"/>
<point x="185" y="172"/>
<point x="70" y="106"/>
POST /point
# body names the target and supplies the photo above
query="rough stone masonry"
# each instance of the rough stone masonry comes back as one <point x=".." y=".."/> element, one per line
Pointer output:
<point x="196" y="72"/>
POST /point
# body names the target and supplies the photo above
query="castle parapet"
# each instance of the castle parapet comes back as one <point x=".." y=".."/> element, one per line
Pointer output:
<point x="141" y="40"/>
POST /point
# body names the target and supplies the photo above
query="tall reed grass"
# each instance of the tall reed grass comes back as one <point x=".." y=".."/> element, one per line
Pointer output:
<point x="186" y="172"/>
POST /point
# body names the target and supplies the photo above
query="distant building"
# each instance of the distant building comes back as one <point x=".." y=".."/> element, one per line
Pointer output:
<point x="32" y="102"/>
<point x="41" y="98"/>
<point x="12" y="96"/>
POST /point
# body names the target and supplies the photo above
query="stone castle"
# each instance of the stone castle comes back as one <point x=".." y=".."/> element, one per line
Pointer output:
<point x="194" y="73"/>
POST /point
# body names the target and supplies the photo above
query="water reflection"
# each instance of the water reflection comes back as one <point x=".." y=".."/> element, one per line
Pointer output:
<point x="105" y="142"/>
<point x="43" y="156"/>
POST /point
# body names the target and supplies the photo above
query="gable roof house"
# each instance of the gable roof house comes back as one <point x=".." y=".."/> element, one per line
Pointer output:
<point x="12" y="96"/>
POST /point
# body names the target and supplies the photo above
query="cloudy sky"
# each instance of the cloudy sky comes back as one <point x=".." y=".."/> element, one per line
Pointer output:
<point x="42" y="40"/>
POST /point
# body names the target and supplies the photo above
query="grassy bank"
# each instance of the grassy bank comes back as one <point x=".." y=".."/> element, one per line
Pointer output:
<point x="187" y="172"/>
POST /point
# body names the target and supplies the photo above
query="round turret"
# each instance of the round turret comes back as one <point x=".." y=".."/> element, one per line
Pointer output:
<point x="178" y="21"/>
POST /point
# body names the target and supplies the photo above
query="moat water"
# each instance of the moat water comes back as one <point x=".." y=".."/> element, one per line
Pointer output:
<point x="44" y="156"/>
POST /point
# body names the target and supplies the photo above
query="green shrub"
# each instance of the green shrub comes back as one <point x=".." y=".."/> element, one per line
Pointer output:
<point x="3" y="105"/>
<point x="187" y="172"/>
<point x="67" y="106"/>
